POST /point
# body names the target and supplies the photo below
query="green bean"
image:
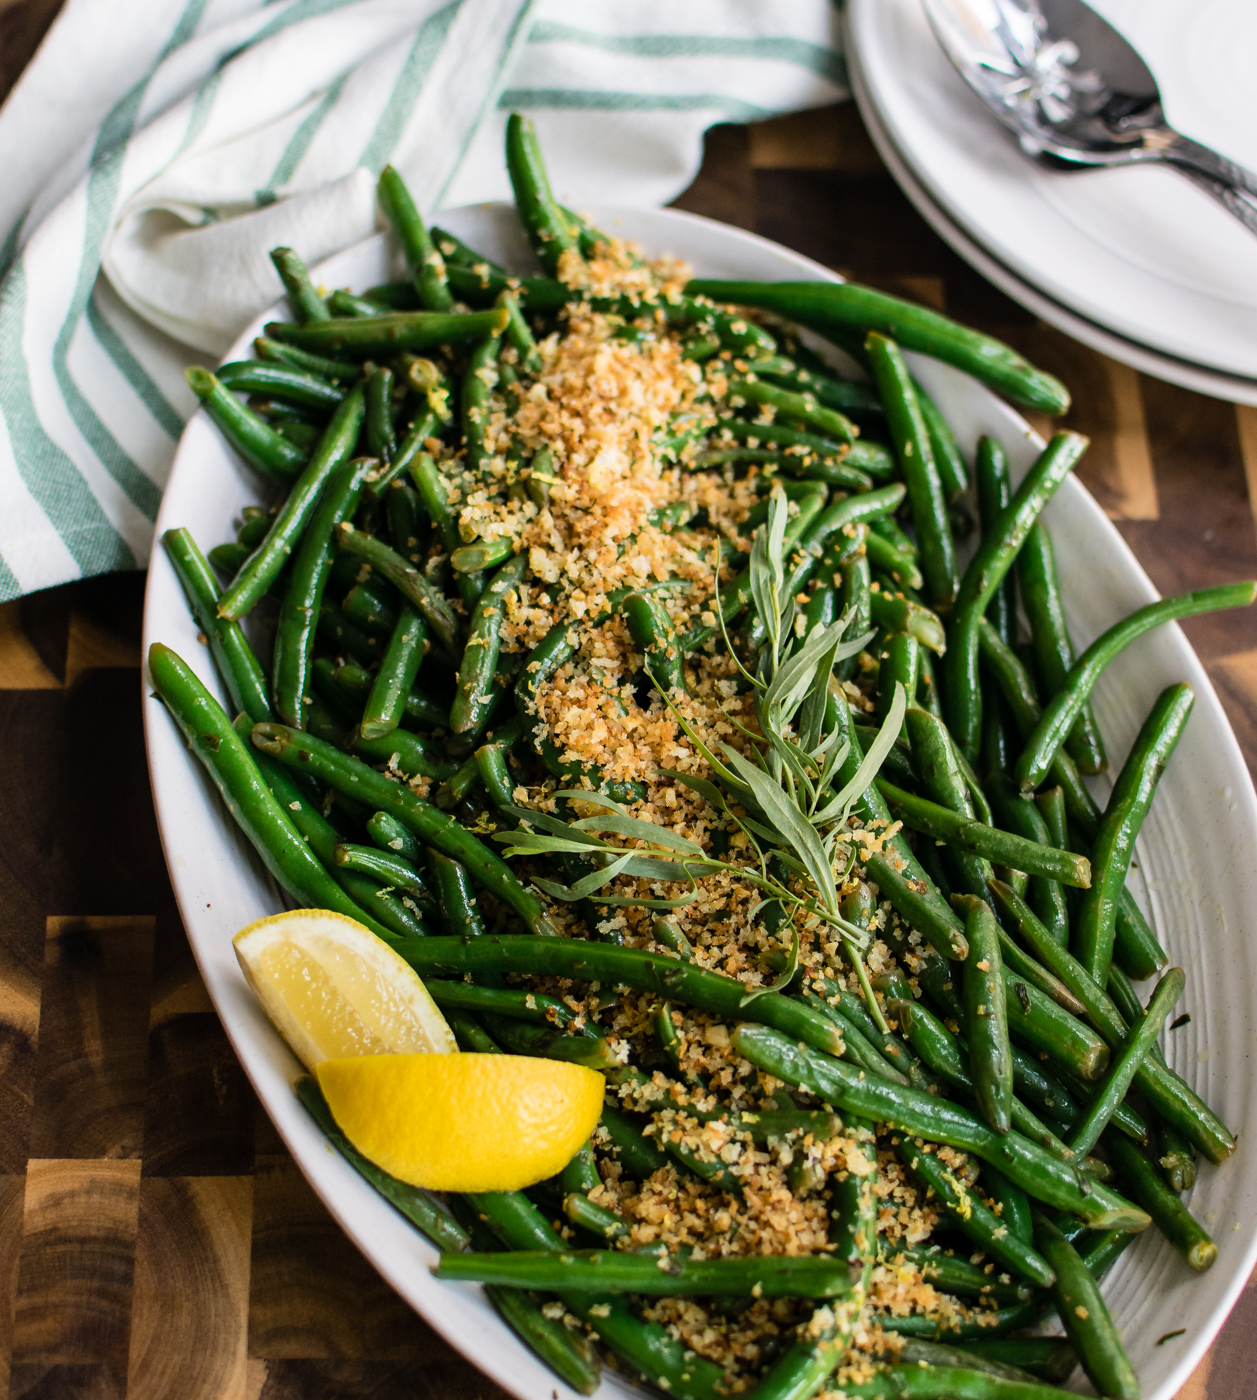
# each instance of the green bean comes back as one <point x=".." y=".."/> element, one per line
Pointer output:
<point x="290" y="385"/>
<point x="800" y="408"/>
<point x="435" y="496"/>
<point x="1053" y="650"/>
<point x="854" y="1011"/>
<point x="479" y="380"/>
<point x="855" y="598"/>
<point x="883" y="555"/>
<point x="388" y="867"/>
<point x="994" y="493"/>
<point x="838" y="308"/>
<point x="647" y="1347"/>
<point x="1012" y="1202"/>
<point x="590" y="1271"/>
<point x="899" y="664"/>
<point x="303" y="297"/>
<point x="986" y="1016"/>
<point x="830" y="462"/>
<point x="1126" y="1063"/>
<point x="1049" y="1358"/>
<point x="1020" y="815"/>
<point x="414" y="587"/>
<point x="1166" y="1093"/>
<point x="404" y="753"/>
<point x="966" y="1213"/>
<point x="259" y="444"/>
<point x="946" y="1383"/>
<point x="381" y="440"/>
<point x="483" y="554"/>
<point x="916" y="460"/>
<point x="895" y="869"/>
<point x="651" y="630"/>
<point x="655" y="972"/>
<point x="299" y="611"/>
<point x="1038" y="1022"/>
<point x="892" y="612"/>
<point x="1062" y="711"/>
<point x="240" y="669"/>
<point x="952" y="472"/>
<point x="918" y="1351"/>
<point x="639" y="1157"/>
<point x="957" y="1276"/>
<point x="857" y="1049"/>
<point x="935" y="760"/>
<point x="427" y="425"/>
<point x="419" y="711"/>
<point x="1085" y="1317"/>
<point x="597" y="1219"/>
<point x="348" y="775"/>
<point x="545" y="1042"/>
<point x="347" y="638"/>
<point x="986" y="571"/>
<point x="922" y="1115"/>
<point x="1001" y="847"/>
<point x="231" y="766"/>
<point x="423" y="1210"/>
<point x="568" y="1354"/>
<point x="1115" y="842"/>
<point x="1169" y="1214"/>
<point x="371" y="608"/>
<point x="338" y="371"/>
<point x="1174" y="1157"/>
<point x="549" y="232"/>
<point x="263" y="566"/>
<point x="390" y="835"/>
<point x="390" y="332"/>
<point x="427" y="268"/>
<point x="1004" y="667"/>
<point x="345" y="304"/>
<point x="406" y="523"/>
<point x="471" y="702"/>
<point x="399" y="915"/>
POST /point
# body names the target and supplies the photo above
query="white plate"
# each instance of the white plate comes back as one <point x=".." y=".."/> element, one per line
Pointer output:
<point x="1231" y="388"/>
<point x="1198" y="853"/>
<point x="1139" y="252"/>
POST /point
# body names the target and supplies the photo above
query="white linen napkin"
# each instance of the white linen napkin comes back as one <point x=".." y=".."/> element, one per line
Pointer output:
<point x="150" y="167"/>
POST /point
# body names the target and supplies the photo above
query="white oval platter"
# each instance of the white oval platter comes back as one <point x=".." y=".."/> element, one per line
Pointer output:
<point x="1197" y="855"/>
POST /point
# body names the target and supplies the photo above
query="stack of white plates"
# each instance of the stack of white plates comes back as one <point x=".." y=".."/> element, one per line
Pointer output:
<point x="1135" y="262"/>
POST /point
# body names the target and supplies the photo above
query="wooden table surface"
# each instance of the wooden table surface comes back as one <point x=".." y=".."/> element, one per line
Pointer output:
<point x="156" y="1241"/>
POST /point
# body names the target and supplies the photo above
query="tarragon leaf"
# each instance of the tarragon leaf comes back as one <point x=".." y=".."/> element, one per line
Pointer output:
<point x="645" y="831"/>
<point x="812" y="712"/>
<point x="708" y="791"/>
<point x="595" y="799"/>
<point x="552" y="824"/>
<point x="794" y="679"/>
<point x="795" y="831"/>
<point x="780" y="983"/>
<point x="876" y="756"/>
<point x="525" y="843"/>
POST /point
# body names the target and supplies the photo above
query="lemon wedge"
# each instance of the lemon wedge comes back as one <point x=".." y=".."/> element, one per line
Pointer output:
<point x="464" y="1122"/>
<point x="334" y="989"/>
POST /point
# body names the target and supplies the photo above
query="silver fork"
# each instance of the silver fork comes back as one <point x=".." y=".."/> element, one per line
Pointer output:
<point x="1075" y="93"/>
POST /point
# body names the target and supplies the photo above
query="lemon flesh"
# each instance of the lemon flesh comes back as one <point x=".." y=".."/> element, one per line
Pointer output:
<point x="464" y="1122"/>
<point x="332" y="988"/>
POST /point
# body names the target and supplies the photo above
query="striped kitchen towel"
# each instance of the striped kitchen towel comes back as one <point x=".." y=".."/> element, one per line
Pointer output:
<point x="151" y="163"/>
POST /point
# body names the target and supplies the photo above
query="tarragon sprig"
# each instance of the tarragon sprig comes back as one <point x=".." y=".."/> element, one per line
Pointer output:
<point x="781" y="795"/>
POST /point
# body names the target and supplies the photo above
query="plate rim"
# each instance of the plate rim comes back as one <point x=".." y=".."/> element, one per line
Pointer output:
<point x="861" y="19"/>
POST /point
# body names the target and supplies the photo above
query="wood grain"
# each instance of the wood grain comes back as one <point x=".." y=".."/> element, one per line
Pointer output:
<point x="156" y="1241"/>
<point x="191" y="1300"/>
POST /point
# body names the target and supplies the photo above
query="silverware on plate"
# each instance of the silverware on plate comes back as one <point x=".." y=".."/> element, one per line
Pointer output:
<point x="1075" y="93"/>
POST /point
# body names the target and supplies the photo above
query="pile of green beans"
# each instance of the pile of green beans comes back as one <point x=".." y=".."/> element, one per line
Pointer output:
<point x="392" y="728"/>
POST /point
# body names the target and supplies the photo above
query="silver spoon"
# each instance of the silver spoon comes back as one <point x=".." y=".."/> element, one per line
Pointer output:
<point x="1075" y="93"/>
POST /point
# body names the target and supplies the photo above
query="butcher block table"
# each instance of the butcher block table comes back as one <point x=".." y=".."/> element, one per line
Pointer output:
<point x="156" y="1240"/>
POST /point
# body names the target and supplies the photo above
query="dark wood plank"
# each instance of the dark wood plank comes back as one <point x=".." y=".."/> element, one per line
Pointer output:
<point x="312" y="1296"/>
<point x="78" y="1250"/>
<point x="90" y="1069"/>
<point x="189" y="1319"/>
